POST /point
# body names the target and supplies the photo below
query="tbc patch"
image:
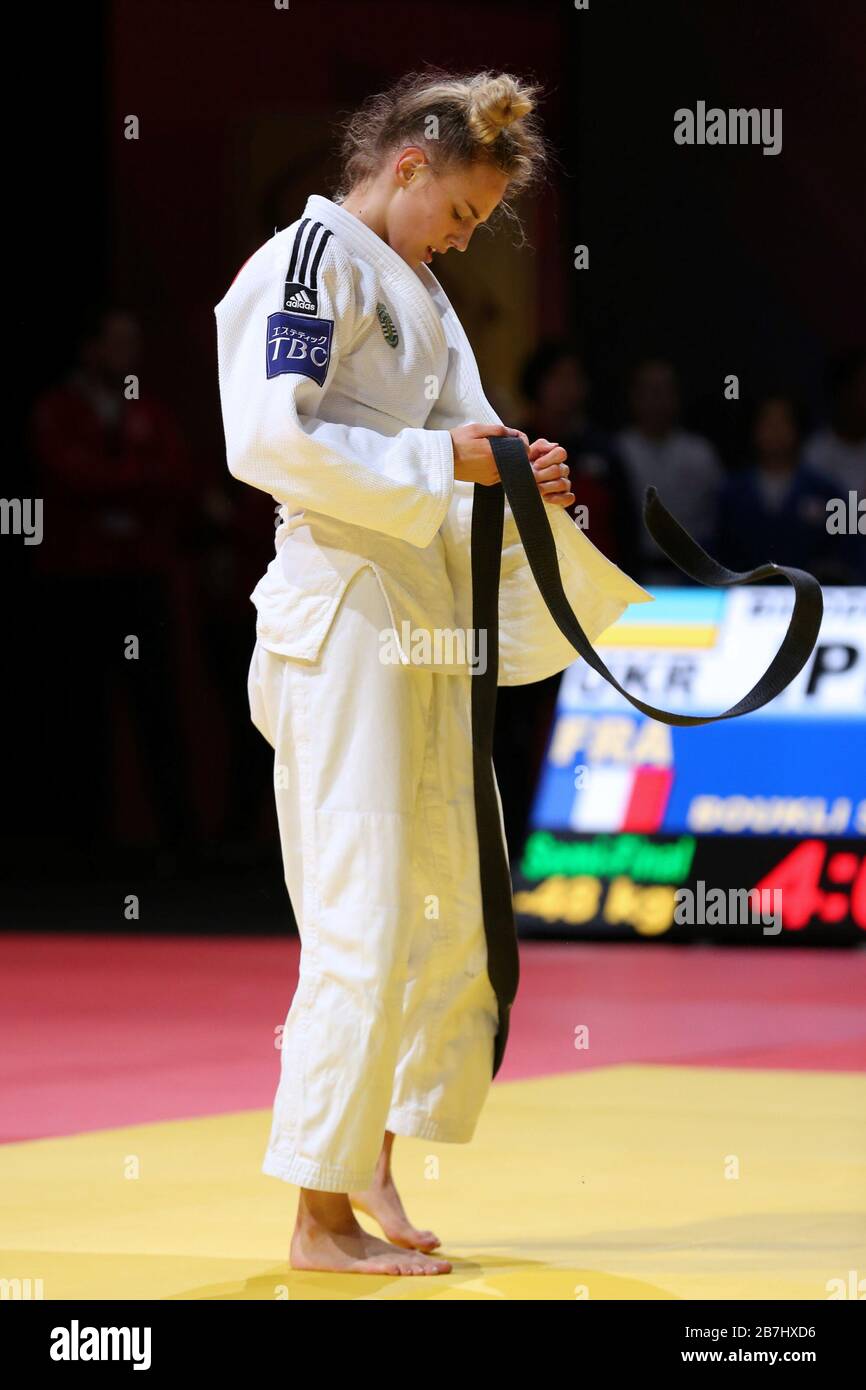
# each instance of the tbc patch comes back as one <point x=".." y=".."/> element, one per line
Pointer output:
<point x="299" y="345"/>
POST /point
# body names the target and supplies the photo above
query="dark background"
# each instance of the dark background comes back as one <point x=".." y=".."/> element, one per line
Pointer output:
<point x="723" y="259"/>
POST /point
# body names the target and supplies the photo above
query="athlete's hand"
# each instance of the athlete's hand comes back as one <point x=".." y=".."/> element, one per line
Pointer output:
<point x="551" y="472"/>
<point x="473" y="456"/>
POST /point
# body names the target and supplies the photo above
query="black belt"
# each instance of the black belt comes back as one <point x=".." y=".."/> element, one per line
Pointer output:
<point x="488" y="512"/>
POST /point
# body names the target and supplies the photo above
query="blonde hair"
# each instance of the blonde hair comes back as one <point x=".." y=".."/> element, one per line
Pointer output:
<point x="483" y="117"/>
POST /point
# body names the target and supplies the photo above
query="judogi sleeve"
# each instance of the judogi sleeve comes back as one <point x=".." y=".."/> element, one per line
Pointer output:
<point x="276" y="368"/>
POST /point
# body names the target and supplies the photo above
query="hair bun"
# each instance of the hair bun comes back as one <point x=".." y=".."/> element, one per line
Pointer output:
<point x="494" y="103"/>
<point x="486" y="117"/>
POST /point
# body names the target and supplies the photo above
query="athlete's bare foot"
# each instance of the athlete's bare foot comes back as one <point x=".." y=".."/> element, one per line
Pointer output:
<point x="327" y="1236"/>
<point x="382" y="1201"/>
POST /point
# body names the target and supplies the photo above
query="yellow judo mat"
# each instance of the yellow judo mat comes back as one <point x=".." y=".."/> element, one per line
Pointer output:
<point x="625" y="1182"/>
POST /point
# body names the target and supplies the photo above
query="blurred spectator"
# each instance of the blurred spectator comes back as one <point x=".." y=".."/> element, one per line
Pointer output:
<point x="839" y="450"/>
<point x="777" y="509"/>
<point x="683" y="467"/>
<point x="115" y="478"/>
<point x="555" y="383"/>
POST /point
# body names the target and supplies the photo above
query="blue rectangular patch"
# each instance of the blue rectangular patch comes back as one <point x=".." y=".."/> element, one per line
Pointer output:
<point x="298" y="344"/>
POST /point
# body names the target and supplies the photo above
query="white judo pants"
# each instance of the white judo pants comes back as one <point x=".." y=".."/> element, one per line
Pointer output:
<point x="393" y="1021"/>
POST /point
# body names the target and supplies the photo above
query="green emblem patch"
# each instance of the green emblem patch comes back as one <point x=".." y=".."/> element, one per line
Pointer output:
<point x="389" y="332"/>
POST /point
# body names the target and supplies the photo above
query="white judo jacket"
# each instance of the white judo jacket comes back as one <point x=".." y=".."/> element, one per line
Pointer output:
<point x="341" y="371"/>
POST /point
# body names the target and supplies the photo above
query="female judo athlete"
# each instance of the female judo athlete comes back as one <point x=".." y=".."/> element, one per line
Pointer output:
<point x="351" y="395"/>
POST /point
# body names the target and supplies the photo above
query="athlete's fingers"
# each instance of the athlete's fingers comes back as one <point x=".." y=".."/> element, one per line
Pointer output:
<point x="547" y="472"/>
<point x="558" y="499"/>
<point x="539" y="447"/>
<point x="553" y="458"/>
<point x="485" y="431"/>
<point x="500" y="431"/>
<point x="518" y="434"/>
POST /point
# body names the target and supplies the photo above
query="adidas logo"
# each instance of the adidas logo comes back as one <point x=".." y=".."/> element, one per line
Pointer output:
<point x="300" y="299"/>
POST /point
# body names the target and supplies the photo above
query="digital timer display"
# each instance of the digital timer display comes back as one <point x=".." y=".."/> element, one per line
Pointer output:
<point x="772" y="804"/>
<point x="801" y="878"/>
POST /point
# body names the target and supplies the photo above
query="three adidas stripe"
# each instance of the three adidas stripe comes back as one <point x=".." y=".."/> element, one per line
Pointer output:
<point x="306" y="255"/>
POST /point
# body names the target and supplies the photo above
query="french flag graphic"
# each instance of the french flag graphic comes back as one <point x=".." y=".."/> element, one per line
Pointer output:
<point x="622" y="798"/>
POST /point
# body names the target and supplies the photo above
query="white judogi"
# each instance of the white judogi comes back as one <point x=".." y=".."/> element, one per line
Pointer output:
<point x="341" y="372"/>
